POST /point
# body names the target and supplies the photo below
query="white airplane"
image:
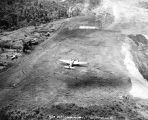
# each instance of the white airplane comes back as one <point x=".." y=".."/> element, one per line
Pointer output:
<point x="72" y="63"/>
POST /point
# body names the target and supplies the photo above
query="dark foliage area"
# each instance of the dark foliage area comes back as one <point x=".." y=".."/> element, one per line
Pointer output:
<point x="15" y="14"/>
<point x="118" y="109"/>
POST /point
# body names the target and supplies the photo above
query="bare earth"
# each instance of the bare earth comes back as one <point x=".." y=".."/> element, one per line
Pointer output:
<point x="102" y="86"/>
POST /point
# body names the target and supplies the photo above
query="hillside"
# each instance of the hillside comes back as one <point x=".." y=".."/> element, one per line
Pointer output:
<point x="113" y="85"/>
<point x="99" y="89"/>
<point x="21" y="13"/>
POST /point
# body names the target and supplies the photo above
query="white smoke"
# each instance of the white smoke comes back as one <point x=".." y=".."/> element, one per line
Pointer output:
<point x="123" y="11"/>
<point x="139" y="84"/>
<point x="86" y="6"/>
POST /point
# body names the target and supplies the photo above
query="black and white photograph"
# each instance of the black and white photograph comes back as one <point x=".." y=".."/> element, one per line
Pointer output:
<point x="73" y="59"/>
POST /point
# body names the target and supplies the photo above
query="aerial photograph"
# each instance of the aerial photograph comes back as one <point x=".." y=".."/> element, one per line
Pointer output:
<point x="73" y="59"/>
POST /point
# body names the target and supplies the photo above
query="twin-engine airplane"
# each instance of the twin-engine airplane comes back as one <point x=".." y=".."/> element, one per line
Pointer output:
<point x="71" y="63"/>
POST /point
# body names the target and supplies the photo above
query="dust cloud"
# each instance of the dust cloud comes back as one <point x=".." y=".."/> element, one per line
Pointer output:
<point x="139" y="84"/>
<point x="126" y="11"/>
<point x="123" y="11"/>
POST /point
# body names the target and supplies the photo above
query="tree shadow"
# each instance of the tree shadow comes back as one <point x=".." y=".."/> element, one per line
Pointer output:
<point x="95" y="81"/>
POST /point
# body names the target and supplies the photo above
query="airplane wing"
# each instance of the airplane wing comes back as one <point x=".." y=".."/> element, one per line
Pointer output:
<point x="74" y="63"/>
<point x="66" y="61"/>
<point x="79" y="63"/>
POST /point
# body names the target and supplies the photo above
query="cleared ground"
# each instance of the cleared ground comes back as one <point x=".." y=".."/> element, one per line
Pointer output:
<point x="42" y="81"/>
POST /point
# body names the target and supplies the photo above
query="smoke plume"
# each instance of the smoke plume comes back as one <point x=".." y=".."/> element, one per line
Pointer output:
<point x="122" y="11"/>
